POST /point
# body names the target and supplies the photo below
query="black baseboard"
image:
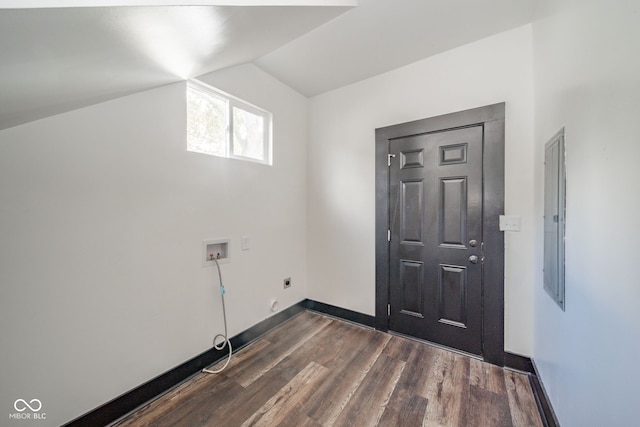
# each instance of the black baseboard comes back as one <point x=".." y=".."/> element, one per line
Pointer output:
<point x="517" y="362"/>
<point x="549" y="418"/>
<point x="142" y="394"/>
<point x="526" y="364"/>
<point x="341" y="313"/>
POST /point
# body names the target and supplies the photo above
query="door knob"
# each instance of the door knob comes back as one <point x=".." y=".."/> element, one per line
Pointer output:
<point x="474" y="259"/>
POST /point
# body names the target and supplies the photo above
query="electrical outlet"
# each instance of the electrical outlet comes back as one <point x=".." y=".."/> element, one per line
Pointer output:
<point x="287" y="282"/>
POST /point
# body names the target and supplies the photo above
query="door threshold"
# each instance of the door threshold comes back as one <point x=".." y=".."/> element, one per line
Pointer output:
<point x="440" y="346"/>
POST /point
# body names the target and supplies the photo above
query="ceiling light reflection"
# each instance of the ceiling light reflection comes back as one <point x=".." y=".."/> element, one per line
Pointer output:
<point x="177" y="38"/>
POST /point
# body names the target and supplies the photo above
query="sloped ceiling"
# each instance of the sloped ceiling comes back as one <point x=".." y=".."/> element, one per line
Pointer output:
<point x="58" y="59"/>
<point x="380" y="35"/>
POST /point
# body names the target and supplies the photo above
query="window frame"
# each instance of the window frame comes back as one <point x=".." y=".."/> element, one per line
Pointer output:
<point x="231" y="102"/>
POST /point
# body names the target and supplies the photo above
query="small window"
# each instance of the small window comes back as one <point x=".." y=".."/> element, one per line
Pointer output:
<point x="222" y="125"/>
<point x="554" y="218"/>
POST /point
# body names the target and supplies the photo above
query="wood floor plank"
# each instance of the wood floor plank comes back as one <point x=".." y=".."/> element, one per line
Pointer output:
<point x="367" y="404"/>
<point x="248" y="400"/>
<point x="306" y="320"/>
<point x="487" y="408"/>
<point x="308" y="352"/>
<point x="201" y="387"/>
<point x="269" y="383"/>
<point x="319" y="371"/>
<point x="333" y="395"/>
<point x="345" y="341"/>
<point x="195" y="409"/>
<point x="400" y="348"/>
<point x="297" y="419"/>
<point x="249" y="364"/>
<point x="293" y="337"/>
<point x="260" y="391"/>
<point x="240" y="356"/>
<point x="448" y="391"/>
<point x="404" y="409"/>
<point x="420" y="364"/>
<point x="338" y="341"/>
<point x="252" y="354"/>
<point x="488" y="377"/>
<point x="290" y="398"/>
<point x="524" y="411"/>
<point x="233" y="406"/>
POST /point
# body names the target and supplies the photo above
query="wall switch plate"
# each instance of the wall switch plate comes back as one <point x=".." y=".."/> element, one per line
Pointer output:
<point x="509" y="223"/>
<point x="245" y="243"/>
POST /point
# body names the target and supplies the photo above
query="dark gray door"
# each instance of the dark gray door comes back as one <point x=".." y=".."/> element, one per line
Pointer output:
<point x="435" y="247"/>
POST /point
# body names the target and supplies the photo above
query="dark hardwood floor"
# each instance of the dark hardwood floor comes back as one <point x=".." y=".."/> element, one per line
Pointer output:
<point x="318" y="371"/>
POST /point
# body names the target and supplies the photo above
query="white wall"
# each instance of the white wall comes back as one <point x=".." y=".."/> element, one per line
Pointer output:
<point x="586" y="79"/>
<point x="341" y="166"/>
<point x="102" y="215"/>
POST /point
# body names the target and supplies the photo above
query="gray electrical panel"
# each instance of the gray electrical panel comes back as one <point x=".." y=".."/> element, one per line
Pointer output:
<point x="554" y="218"/>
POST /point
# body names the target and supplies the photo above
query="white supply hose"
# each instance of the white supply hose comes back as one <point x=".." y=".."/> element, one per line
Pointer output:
<point x="225" y="338"/>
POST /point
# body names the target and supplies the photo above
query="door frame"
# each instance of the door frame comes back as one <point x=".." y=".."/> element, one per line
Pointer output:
<point x="492" y="119"/>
